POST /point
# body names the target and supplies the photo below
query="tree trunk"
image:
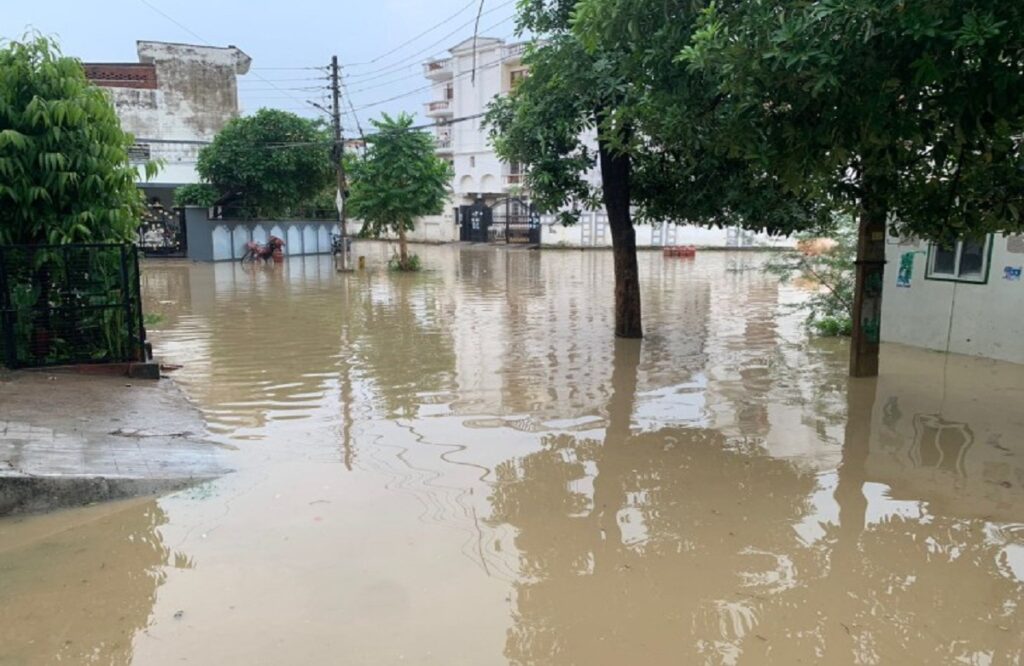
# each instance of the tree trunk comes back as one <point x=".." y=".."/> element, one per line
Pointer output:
<point x="867" y="295"/>
<point x="615" y="175"/>
<point x="403" y="249"/>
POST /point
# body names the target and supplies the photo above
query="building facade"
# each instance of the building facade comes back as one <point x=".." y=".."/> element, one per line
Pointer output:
<point x="173" y="100"/>
<point x="966" y="299"/>
<point x="463" y="84"/>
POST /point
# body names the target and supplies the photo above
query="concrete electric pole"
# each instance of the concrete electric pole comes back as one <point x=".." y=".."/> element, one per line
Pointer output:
<point x="339" y="160"/>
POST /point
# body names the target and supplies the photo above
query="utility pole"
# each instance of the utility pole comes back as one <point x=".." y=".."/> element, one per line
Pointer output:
<point x="339" y="160"/>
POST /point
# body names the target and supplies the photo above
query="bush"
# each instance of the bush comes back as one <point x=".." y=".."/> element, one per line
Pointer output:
<point x="830" y="267"/>
<point x="65" y="175"/>
<point x="410" y="265"/>
<point x="196" y="194"/>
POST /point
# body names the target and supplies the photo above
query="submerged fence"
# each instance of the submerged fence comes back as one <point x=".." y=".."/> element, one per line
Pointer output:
<point x="64" y="304"/>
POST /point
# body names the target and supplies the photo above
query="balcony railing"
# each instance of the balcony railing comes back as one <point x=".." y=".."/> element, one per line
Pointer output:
<point x="443" y="143"/>
<point x="440" y="107"/>
<point x="515" y="50"/>
<point x="513" y="179"/>
<point x="438" y="69"/>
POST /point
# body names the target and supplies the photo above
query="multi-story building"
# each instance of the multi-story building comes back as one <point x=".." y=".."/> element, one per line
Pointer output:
<point x="464" y="83"/>
<point x="174" y="101"/>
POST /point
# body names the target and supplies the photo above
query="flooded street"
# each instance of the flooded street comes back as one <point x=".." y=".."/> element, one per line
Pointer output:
<point x="463" y="466"/>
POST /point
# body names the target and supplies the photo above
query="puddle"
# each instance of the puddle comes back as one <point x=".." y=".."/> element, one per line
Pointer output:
<point x="463" y="467"/>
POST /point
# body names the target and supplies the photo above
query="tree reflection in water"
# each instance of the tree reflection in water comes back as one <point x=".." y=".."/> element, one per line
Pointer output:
<point x="76" y="586"/>
<point x="678" y="546"/>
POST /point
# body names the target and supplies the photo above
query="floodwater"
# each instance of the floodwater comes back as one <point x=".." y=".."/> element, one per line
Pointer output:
<point x="464" y="467"/>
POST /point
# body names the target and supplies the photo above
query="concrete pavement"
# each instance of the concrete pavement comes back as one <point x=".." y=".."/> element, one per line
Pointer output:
<point x="68" y="440"/>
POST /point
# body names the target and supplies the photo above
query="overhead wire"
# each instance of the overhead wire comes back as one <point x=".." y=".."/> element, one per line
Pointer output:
<point x="414" y="58"/>
<point x="412" y="39"/>
<point x="430" y="86"/>
<point x="294" y="144"/>
<point x="204" y="41"/>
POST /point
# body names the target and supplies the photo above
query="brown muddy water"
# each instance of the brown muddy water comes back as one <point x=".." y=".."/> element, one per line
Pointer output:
<point x="464" y="467"/>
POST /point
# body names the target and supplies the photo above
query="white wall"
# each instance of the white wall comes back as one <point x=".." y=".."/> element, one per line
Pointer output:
<point x="964" y="318"/>
<point x="592" y="231"/>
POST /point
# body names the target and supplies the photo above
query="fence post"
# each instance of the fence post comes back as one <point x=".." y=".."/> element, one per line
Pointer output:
<point x="10" y="354"/>
<point x="137" y="292"/>
<point x="127" y="302"/>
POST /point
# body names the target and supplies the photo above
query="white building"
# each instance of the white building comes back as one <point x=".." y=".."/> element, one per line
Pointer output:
<point x="464" y="83"/>
<point x="174" y="101"/>
<point x="967" y="299"/>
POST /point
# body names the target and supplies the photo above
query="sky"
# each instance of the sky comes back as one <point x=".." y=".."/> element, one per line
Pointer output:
<point x="380" y="43"/>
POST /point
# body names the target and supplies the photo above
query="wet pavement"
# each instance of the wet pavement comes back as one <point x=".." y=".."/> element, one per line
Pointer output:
<point x="464" y="467"/>
<point x="69" y="440"/>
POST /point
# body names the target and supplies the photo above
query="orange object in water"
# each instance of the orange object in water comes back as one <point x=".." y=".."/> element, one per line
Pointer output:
<point x="680" y="251"/>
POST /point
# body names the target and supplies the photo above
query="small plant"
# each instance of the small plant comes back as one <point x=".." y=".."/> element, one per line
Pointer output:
<point x="410" y="265"/>
<point x="152" y="319"/>
<point x="824" y="261"/>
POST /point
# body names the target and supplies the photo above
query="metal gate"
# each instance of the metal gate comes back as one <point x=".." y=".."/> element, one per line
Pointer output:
<point x="162" y="232"/>
<point x="516" y="221"/>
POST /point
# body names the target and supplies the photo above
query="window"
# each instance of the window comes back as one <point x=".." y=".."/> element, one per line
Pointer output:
<point x="472" y="160"/>
<point x="515" y="77"/>
<point x="964" y="261"/>
<point x="449" y="92"/>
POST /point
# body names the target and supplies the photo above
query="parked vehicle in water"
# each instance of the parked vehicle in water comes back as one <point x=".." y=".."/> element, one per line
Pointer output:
<point x="256" y="251"/>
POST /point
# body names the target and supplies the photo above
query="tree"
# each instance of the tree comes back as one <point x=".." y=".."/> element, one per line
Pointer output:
<point x="906" y="113"/>
<point x="65" y="176"/>
<point x="270" y="164"/>
<point x="598" y="81"/>
<point x="399" y="179"/>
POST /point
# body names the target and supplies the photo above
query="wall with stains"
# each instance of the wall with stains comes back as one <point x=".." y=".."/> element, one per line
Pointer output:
<point x="195" y="95"/>
<point x="961" y="317"/>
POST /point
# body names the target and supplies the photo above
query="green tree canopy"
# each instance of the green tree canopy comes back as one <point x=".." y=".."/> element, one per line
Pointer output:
<point x="913" y="106"/>
<point x="604" y="91"/>
<point x="269" y="164"/>
<point x="399" y="179"/>
<point x="65" y="175"/>
<point x="906" y="113"/>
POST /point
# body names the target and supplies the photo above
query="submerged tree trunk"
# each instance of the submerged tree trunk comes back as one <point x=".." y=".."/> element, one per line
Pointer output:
<point x="867" y="295"/>
<point x="403" y="249"/>
<point x="615" y="175"/>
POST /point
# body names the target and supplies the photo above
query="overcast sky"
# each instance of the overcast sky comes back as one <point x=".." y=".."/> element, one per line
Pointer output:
<point x="296" y="33"/>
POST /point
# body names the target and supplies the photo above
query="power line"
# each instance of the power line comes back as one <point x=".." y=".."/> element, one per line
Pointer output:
<point x="290" y="69"/>
<point x="398" y="66"/>
<point x="197" y="36"/>
<point x="348" y="98"/>
<point x="412" y="39"/>
<point x="274" y="145"/>
<point x="430" y="86"/>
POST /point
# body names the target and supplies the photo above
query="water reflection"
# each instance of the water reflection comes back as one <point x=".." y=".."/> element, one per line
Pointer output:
<point x="678" y="545"/>
<point x="463" y="466"/>
<point x="76" y="586"/>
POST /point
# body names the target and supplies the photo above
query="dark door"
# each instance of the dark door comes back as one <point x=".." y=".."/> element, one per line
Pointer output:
<point x="476" y="221"/>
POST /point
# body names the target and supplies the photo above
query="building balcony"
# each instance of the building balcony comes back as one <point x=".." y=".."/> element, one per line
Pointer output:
<point x="514" y="51"/>
<point x="442" y="108"/>
<point x="443" y="144"/>
<point x="513" y="179"/>
<point x="438" y="70"/>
